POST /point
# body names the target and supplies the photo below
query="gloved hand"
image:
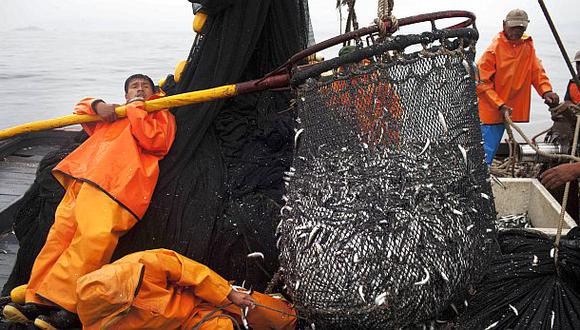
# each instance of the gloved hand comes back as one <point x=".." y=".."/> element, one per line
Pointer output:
<point x="552" y="99"/>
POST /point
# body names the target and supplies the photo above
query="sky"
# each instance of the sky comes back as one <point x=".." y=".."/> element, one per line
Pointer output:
<point x="172" y="15"/>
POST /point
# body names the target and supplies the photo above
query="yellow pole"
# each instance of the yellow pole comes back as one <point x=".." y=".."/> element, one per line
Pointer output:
<point x="152" y="105"/>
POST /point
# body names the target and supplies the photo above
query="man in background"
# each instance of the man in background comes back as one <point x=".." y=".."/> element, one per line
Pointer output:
<point x="508" y="68"/>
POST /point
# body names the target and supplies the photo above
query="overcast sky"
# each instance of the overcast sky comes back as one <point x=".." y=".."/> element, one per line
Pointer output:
<point x="175" y="15"/>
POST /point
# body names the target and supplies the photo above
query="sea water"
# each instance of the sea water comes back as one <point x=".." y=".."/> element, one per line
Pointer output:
<point x="44" y="73"/>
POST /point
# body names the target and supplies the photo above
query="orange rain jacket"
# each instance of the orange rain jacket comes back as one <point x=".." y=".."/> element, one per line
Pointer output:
<point x="121" y="158"/>
<point x="508" y="69"/>
<point x="572" y="92"/>
<point x="161" y="289"/>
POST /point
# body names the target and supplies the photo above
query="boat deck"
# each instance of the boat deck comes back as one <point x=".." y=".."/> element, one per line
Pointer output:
<point x="19" y="160"/>
<point x="17" y="173"/>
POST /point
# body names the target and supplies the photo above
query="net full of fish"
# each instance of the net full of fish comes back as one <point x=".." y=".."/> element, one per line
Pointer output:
<point x="388" y="215"/>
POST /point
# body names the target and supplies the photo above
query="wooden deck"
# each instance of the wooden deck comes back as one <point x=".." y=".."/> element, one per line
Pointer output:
<point x="19" y="160"/>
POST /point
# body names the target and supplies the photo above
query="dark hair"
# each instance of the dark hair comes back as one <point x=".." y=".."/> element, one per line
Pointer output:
<point x="138" y="76"/>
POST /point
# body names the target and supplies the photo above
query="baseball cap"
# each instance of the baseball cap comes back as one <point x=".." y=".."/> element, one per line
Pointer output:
<point x="517" y="17"/>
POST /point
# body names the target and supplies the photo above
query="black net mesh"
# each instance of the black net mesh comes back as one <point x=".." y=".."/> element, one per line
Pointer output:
<point x="388" y="215"/>
<point x="522" y="289"/>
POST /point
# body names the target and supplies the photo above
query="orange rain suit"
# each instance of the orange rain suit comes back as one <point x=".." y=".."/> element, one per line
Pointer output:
<point x="572" y="92"/>
<point x="377" y="105"/>
<point x="109" y="181"/>
<point x="508" y="69"/>
<point x="160" y="289"/>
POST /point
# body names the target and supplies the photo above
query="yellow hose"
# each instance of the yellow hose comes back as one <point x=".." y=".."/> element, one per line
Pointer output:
<point x="152" y="105"/>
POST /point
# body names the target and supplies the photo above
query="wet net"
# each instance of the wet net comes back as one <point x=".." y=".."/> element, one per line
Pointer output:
<point x="388" y="215"/>
<point x="522" y="288"/>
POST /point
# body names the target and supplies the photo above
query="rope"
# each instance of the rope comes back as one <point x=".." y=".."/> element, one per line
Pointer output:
<point x="384" y="15"/>
<point x="565" y="198"/>
<point x="211" y="316"/>
<point x="540" y="152"/>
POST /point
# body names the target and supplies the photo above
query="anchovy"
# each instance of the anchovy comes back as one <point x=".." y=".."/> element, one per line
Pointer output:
<point x="463" y="153"/>
<point x="256" y="255"/>
<point x="443" y="122"/>
<point x="552" y="320"/>
<point x="457" y="212"/>
<point x="312" y="235"/>
<point x="381" y="299"/>
<point x="425" y="147"/>
<point x="514" y="309"/>
<point x="486" y="196"/>
<point x="287" y="208"/>
<point x="476" y="75"/>
<point x="318" y="248"/>
<point x="535" y="261"/>
<point x="361" y="293"/>
<point x="493" y="325"/>
<point x="445" y="278"/>
<point x="425" y="279"/>
<point x="297" y="136"/>
<point x="552" y="253"/>
<point x="454" y="309"/>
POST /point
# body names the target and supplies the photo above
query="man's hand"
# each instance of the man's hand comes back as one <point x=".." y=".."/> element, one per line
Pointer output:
<point x="241" y="299"/>
<point x="106" y="111"/>
<point x="557" y="176"/>
<point x="505" y="109"/>
<point x="552" y="99"/>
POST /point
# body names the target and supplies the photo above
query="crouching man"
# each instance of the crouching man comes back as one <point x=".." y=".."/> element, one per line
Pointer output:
<point x="161" y="289"/>
<point x="109" y="180"/>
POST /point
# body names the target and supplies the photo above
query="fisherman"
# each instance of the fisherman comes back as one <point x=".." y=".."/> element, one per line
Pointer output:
<point x="508" y="68"/>
<point x="572" y="91"/>
<point x="559" y="175"/>
<point x="109" y="180"/>
<point x="161" y="289"/>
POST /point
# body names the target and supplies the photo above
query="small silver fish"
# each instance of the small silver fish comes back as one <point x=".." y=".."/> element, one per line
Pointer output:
<point x="491" y="326"/>
<point x="297" y="137"/>
<point x="514" y="309"/>
<point x="463" y="153"/>
<point x="312" y="235"/>
<point x="361" y="293"/>
<point x="287" y="208"/>
<point x="535" y="261"/>
<point x="443" y="122"/>
<point x="425" y="147"/>
<point x="381" y="299"/>
<point x="256" y="255"/>
<point x="425" y="279"/>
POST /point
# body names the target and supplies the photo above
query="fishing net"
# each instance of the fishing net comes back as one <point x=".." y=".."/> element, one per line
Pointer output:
<point x="388" y="215"/>
<point x="220" y="187"/>
<point x="522" y="289"/>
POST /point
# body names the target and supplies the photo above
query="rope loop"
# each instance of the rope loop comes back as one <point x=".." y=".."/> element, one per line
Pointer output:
<point x="387" y="23"/>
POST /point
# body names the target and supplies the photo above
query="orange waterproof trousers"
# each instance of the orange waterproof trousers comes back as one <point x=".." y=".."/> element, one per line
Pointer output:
<point x="86" y="229"/>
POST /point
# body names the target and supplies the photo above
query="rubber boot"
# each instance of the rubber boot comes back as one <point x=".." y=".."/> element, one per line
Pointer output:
<point x="26" y="313"/>
<point x="61" y="319"/>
